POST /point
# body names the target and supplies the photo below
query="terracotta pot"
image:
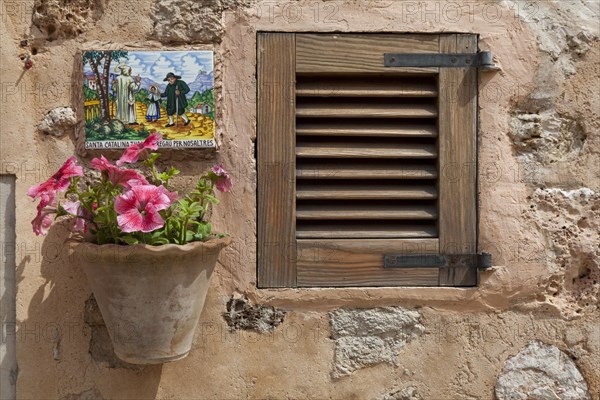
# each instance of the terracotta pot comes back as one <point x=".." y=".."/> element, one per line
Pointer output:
<point x="150" y="297"/>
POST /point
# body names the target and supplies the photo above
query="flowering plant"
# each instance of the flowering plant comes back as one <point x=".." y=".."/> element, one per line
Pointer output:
<point x="124" y="206"/>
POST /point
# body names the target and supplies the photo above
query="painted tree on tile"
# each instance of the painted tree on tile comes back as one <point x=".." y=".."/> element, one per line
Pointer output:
<point x="99" y="62"/>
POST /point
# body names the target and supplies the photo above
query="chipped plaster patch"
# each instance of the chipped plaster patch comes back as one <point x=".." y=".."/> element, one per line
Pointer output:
<point x="243" y="315"/>
<point x="408" y="393"/>
<point x="368" y="337"/>
<point x="542" y="372"/>
<point x="58" y="121"/>
<point x="546" y="136"/>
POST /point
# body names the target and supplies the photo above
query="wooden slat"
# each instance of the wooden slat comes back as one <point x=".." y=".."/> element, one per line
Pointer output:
<point x="457" y="141"/>
<point x="365" y="171"/>
<point x="364" y="231"/>
<point x="364" y="192"/>
<point x="359" y="53"/>
<point x="360" y="262"/>
<point x="380" y="129"/>
<point x="339" y="276"/>
<point x="365" y="89"/>
<point x="366" y="110"/>
<point x="344" y="276"/>
<point x="349" y="212"/>
<point x="275" y="143"/>
<point x="365" y="150"/>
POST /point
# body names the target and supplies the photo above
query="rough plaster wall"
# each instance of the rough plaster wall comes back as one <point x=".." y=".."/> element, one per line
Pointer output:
<point x="183" y="21"/>
<point x="553" y="121"/>
<point x="59" y="19"/>
<point x="571" y="223"/>
<point x="469" y="333"/>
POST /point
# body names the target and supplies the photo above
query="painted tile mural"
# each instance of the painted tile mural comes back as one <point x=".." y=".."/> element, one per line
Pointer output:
<point x="130" y="94"/>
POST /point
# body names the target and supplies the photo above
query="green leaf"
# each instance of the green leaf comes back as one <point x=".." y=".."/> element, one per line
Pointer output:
<point x="195" y="206"/>
<point x="202" y="185"/>
<point x="189" y="236"/>
<point x="212" y="199"/>
<point x="212" y="176"/>
<point x="184" y="203"/>
<point x="60" y="211"/>
<point x="160" y="240"/>
<point x="152" y="158"/>
<point x="204" y="229"/>
<point x="129" y="240"/>
<point x="85" y="195"/>
<point x="198" y="237"/>
<point x="163" y="176"/>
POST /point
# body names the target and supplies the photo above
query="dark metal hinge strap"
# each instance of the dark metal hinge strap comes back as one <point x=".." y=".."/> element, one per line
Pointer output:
<point x="483" y="59"/>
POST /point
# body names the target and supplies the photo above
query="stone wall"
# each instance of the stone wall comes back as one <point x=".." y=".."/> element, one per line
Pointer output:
<point x="529" y="329"/>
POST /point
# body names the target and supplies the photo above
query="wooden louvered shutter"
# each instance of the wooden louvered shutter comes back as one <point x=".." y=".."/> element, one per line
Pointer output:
<point x="357" y="160"/>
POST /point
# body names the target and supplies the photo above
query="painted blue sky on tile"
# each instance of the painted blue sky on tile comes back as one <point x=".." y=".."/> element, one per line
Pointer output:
<point x="156" y="64"/>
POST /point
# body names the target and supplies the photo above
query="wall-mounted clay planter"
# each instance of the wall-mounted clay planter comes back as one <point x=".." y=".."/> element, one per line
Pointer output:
<point x="150" y="297"/>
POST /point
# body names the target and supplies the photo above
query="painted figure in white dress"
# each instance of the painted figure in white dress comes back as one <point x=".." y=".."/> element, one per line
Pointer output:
<point x="126" y="87"/>
<point x="153" y="111"/>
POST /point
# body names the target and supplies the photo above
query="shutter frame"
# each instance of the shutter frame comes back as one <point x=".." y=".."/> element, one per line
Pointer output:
<point x="296" y="261"/>
<point x="457" y="125"/>
<point x="275" y="145"/>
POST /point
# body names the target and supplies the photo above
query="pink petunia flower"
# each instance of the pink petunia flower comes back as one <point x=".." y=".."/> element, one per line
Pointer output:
<point x="45" y="209"/>
<point x="223" y="182"/>
<point x="41" y="223"/>
<point x="139" y="206"/>
<point x="135" y="182"/>
<point x="75" y="209"/>
<point x="173" y="196"/>
<point x="118" y="176"/>
<point x="102" y="164"/>
<point x="132" y="153"/>
<point x="59" y="181"/>
<point x="126" y="178"/>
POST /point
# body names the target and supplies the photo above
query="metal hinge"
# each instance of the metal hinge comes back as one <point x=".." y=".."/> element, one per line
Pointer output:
<point x="483" y="60"/>
<point x="479" y="261"/>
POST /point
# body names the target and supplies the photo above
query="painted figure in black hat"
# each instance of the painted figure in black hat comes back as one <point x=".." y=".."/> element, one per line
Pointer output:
<point x="176" y="102"/>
